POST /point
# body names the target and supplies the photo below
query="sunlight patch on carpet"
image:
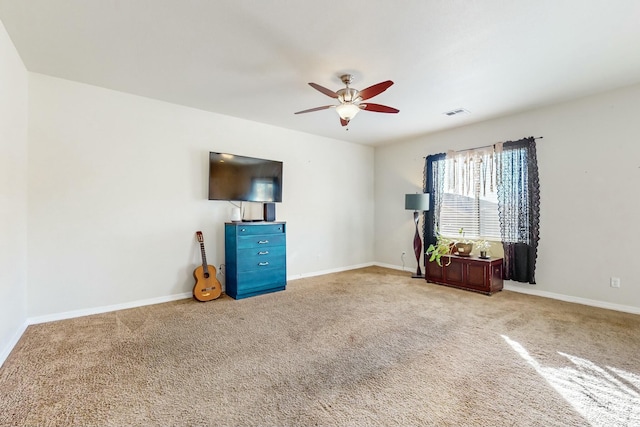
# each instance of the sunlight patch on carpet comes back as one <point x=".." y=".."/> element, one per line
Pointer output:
<point x="603" y="396"/>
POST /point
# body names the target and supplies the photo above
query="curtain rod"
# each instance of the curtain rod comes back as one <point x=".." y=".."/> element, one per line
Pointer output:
<point x="486" y="146"/>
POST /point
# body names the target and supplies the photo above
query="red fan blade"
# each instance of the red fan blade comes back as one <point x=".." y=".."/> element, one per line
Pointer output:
<point x="374" y="90"/>
<point x="324" y="90"/>
<point x="378" y="108"/>
<point x="344" y="122"/>
<point x="314" y="109"/>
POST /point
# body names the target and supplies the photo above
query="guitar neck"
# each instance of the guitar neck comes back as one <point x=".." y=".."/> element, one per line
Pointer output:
<point x="205" y="266"/>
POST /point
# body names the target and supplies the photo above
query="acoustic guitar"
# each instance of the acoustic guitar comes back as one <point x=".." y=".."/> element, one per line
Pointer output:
<point x="207" y="286"/>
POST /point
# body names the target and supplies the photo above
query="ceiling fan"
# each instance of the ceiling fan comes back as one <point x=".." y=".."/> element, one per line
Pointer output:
<point x="351" y="100"/>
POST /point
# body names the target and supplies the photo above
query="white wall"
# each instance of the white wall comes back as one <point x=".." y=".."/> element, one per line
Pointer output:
<point x="589" y="164"/>
<point x="13" y="195"/>
<point x="118" y="187"/>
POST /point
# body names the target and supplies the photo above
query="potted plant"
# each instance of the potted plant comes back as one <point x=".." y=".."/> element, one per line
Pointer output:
<point x="483" y="246"/>
<point x="442" y="247"/>
<point x="463" y="246"/>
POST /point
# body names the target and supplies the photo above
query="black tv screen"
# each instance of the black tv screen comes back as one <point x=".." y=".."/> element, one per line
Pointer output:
<point x="245" y="179"/>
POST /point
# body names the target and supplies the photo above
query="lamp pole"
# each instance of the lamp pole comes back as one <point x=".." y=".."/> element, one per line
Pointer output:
<point x="417" y="203"/>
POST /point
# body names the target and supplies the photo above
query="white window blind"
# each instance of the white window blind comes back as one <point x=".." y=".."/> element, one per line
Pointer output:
<point x="470" y="200"/>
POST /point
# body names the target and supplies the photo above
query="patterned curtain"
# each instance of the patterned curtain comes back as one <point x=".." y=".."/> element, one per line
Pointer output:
<point x="433" y="183"/>
<point x="519" y="207"/>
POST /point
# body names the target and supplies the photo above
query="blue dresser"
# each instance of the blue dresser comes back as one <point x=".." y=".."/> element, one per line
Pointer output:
<point x="255" y="258"/>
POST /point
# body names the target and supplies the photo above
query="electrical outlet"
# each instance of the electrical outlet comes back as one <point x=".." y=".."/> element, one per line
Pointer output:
<point x="615" y="282"/>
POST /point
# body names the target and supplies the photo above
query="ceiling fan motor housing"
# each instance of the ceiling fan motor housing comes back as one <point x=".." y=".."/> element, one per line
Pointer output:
<point x="348" y="95"/>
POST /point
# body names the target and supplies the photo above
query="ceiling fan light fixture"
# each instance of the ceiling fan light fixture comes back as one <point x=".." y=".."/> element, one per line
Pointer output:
<point x="347" y="110"/>
<point x="351" y="100"/>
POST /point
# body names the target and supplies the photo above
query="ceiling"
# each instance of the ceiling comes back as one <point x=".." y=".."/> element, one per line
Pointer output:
<point x="253" y="59"/>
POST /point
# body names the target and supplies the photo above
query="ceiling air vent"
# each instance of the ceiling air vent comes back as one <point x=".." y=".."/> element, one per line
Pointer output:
<point x="457" y="112"/>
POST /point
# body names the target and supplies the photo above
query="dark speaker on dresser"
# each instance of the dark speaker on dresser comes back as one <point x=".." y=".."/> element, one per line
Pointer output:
<point x="269" y="212"/>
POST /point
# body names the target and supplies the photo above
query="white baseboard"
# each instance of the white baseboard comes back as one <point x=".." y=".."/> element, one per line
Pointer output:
<point x="333" y="270"/>
<point x="569" y="298"/>
<point x="531" y="290"/>
<point x="84" y="312"/>
<point x="394" y="267"/>
<point x="105" y="309"/>
<point x="140" y="303"/>
<point x="12" y="343"/>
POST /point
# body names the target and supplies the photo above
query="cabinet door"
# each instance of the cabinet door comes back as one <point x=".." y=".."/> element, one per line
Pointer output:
<point x="477" y="276"/>
<point x="434" y="271"/>
<point x="454" y="271"/>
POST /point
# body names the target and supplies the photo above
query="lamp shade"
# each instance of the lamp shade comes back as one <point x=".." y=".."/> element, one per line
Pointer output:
<point x="347" y="111"/>
<point x="416" y="202"/>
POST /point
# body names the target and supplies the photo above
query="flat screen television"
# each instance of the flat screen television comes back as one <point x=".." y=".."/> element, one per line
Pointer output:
<point x="244" y="179"/>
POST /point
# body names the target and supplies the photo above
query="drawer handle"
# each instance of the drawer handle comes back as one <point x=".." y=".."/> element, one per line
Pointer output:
<point x="263" y="252"/>
<point x="243" y="229"/>
<point x="262" y="242"/>
<point x="263" y="263"/>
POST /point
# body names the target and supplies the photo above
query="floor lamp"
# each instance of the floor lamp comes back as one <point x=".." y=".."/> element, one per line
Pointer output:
<point x="417" y="203"/>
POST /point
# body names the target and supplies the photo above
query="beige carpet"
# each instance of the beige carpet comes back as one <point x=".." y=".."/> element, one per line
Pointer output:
<point x="369" y="347"/>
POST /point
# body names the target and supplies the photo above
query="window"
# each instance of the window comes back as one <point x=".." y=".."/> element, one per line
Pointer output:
<point x="469" y="196"/>
<point x="463" y="188"/>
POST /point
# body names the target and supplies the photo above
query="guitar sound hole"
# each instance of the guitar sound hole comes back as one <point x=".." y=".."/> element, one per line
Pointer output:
<point x="206" y="275"/>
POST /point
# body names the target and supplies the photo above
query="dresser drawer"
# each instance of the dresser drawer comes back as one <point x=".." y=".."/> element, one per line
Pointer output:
<point x="261" y="240"/>
<point x="249" y="281"/>
<point x="251" y="258"/>
<point x="260" y="229"/>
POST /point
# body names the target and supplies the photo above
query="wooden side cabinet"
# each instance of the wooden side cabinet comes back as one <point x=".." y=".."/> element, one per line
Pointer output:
<point x="255" y="258"/>
<point x="473" y="274"/>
